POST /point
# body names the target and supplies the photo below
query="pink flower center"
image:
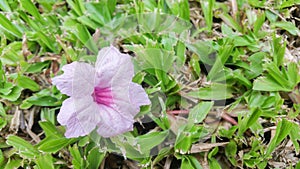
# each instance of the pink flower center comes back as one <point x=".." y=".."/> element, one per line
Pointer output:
<point x="102" y="96"/>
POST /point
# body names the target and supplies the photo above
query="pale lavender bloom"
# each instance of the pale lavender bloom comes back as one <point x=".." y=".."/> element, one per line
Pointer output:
<point x="103" y="96"/>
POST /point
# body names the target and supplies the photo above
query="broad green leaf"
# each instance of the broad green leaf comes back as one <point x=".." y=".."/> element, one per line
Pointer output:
<point x="129" y="148"/>
<point x="27" y="83"/>
<point x="242" y="79"/>
<point x="6" y="88"/>
<point x="278" y="76"/>
<point x="295" y="136"/>
<point x="288" y="26"/>
<point x="139" y="77"/>
<point x="22" y="146"/>
<point x="94" y="158"/>
<point x="256" y="99"/>
<point x="77" y="160"/>
<point x="9" y="27"/>
<point x="25" y="105"/>
<point x="227" y="31"/>
<point x="257" y="3"/>
<point x="164" y="152"/>
<point x="187" y="135"/>
<point x="214" y="164"/>
<point x="159" y="121"/>
<point x="50" y="130"/>
<point x="255" y="67"/>
<point x="283" y="128"/>
<point x="183" y="142"/>
<point x="154" y="58"/>
<point x="268" y="84"/>
<point x="45" y="162"/>
<point x="215" y="91"/>
<point x="242" y="41"/>
<point x="204" y="50"/>
<point x="86" y="140"/>
<point x="249" y="120"/>
<point x="231" y="152"/>
<point x="277" y="80"/>
<point x="55" y="144"/>
<point x="293" y="73"/>
<point x="48" y="114"/>
<point x="190" y="162"/>
<point x="99" y="12"/>
<point x="13" y="95"/>
<point x="13" y="163"/>
<point x="199" y="112"/>
<point x="37" y="67"/>
<point x="43" y="100"/>
<point x="152" y="139"/>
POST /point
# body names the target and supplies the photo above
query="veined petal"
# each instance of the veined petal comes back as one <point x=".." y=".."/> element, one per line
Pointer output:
<point x="138" y="96"/>
<point x="74" y="129"/>
<point x="109" y="62"/>
<point x="80" y="116"/>
<point x="66" y="111"/>
<point x="121" y="82"/>
<point x="113" y="123"/>
<point x="77" y="80"/>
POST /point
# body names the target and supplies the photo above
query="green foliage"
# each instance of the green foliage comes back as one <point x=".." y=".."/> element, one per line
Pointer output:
<point x="201" y="62"/>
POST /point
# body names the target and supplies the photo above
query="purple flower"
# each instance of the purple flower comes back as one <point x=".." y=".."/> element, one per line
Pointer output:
<point x="103" y="96"/>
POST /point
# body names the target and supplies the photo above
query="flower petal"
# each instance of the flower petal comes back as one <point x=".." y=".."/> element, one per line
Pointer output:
<point x="115" y="71"/>
<point x="109" y="62"/>
<point x="74" y="129"/>
<point x="80" y="116"/>
<point x="66" y="111"/>
<point x="113" y="123"/>
<point x="75" y="76"/>
<point x="138" y="96"/>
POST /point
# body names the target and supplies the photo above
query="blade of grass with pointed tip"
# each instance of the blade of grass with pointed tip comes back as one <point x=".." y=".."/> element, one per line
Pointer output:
<point x="31" y="8"/>
<point x="282" y="130"/>
<point x="77" y="6"/>
<point x="207" y="8"/>
<point x="4" y="6"/>
<point x="85" y="37"/>
<point x="9" y="27"/>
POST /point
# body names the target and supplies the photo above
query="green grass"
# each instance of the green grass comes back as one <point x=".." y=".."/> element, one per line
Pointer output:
<point x="224" y="84"/>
